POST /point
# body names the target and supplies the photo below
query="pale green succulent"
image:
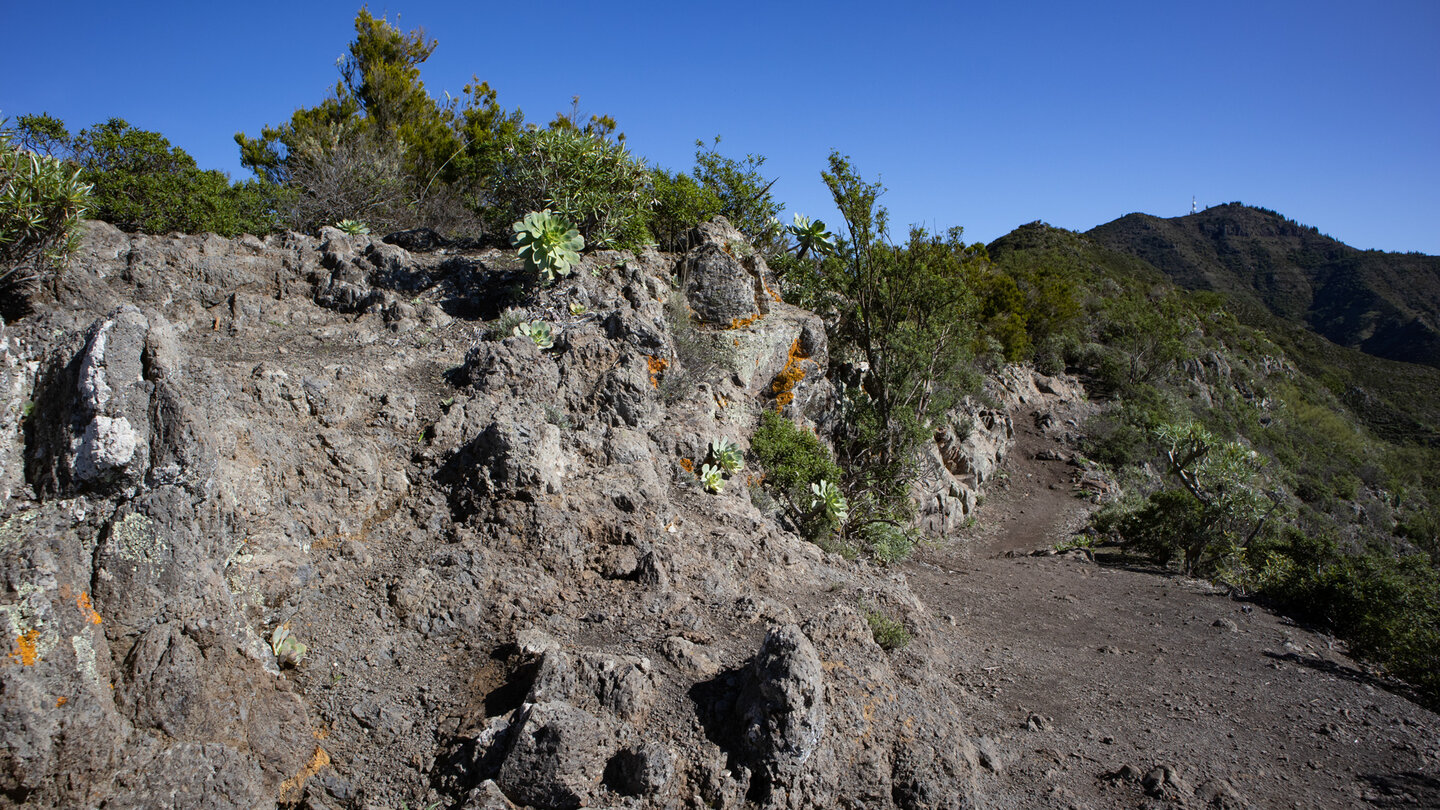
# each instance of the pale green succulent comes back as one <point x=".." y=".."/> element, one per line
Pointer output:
<point x="727" y="455"/>
<point x="537" y="331"/>
<point x="811" y="237"/>
<point x="289" y="652"/>
<point x="712" y="478"/>
<point x="354" y="227"/>
<point x="577" y="308"/>
<point x="548" y="244"/>
<point x="828" y="495"/>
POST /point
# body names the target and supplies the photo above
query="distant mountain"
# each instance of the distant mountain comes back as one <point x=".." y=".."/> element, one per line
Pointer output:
<point x="1384" y="304"/>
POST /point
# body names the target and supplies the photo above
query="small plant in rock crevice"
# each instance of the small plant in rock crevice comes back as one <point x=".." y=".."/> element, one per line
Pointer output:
<point x="727" y="455"/>
<point x="887" y="632"/>
<point x="538" y="331"/>
<point x="289" y="652"/>
<point x="712" y="478"/>
<point x="354" y="227"/>
<point x="547" y="243"/>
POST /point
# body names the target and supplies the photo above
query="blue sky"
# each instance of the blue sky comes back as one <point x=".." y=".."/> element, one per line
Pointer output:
<point x="985" y="115"/>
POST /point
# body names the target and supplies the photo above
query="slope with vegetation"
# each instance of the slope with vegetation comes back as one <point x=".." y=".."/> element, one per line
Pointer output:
<point x="1248" y="450"/>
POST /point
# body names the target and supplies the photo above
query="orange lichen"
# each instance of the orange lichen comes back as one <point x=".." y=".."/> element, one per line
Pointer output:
<point x="775" y="295"/>
<point x="794" y="371"/>
<point x="741" y="323"/>
<point x="657" y="367"/>
<point x="83" y="602"/>
<point x="61" y="701"/>
<point x="290" y="788"/>
<point x="25" y="648"/>
<point x="687" y="465"/>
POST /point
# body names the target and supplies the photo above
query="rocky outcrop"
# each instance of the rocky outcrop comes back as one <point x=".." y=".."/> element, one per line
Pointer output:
<point x="509" y="585"/>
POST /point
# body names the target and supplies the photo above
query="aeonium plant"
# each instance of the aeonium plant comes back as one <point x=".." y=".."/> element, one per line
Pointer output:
<point x="547" y="243"/>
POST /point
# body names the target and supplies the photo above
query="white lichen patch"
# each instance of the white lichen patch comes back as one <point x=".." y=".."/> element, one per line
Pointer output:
<point x="136" y="540"/>
<point x="85" y="659"/>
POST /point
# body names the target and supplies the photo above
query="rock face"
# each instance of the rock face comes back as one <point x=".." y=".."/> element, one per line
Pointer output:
<point x="510" y="588"/>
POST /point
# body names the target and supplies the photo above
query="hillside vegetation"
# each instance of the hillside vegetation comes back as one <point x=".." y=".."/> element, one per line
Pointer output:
<point x="1384" y="304"/>
<point x="1251" y="440"/>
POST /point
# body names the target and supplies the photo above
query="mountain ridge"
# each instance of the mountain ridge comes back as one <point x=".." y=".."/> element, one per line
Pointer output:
<point x="1384" y="304"/>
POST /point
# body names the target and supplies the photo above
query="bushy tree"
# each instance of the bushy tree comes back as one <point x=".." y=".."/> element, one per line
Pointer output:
<point x="142" y="183"/>
<point x="906" y="310"/>
<point x="41" y="202"/>
<point x="402" y="156"/>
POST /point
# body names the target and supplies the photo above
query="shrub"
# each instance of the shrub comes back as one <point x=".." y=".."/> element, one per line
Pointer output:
<point x="41" y="202"/>
<point x="744" y="194"/>
<point x="793" y="459"/>
<point x="547" y="243"/>
<point x="589" y="180"/>
<point x="341" y="172"/>
<point x="887" y="632"/>
<point x="141" y="183"/>
<point x="681" y="203"/>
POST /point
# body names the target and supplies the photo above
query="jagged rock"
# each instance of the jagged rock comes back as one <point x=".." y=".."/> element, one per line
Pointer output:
<point x="782" y="708"/>
<point x="558" y="756"/>
<point x="723" y="277"/>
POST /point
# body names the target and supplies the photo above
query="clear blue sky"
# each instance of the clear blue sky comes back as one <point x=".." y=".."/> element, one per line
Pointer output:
<point x="985" y="115"/>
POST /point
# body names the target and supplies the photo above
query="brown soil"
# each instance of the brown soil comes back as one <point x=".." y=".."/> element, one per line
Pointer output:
<point x="1089" y="679"/>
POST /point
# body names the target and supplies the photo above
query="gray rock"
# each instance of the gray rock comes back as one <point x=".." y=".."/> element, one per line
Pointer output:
<point x="722" y="275"/>
<point x="558" y="756"/>
<point x="782" y="707"/>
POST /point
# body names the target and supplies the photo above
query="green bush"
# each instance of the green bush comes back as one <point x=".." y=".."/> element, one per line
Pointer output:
<point x="589" y="180"/>
<point x="1386" y="608"/>
<point x="793" y="459"/>
<point x="744" y="194"/>
<point x="887" y="632"/>
<point x="41" y="202"/>
<point x="141" y="183"/>
<point x="681" y="203"/>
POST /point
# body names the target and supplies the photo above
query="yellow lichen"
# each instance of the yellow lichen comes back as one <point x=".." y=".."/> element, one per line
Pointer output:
<point x="290" y="788"/>
<point x="25" y="648"/>
<point x="741" y="323"/>
<point x="83" y="602"/>
<point x="657" y="366"/>
<point x="794" y="371"/>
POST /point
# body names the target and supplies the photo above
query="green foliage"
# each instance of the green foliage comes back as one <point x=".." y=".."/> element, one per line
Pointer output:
<point x="828" y="497"/>
<point x="906" y="311"/>
<point x="139" y="182"/>
<point x="380" y="147"/>
<point x="1387" y="608"/>
<point x="712" y="478"/>
<point x="538" y="332"/>
<point x="547" y="243"/>
<point x="744" y="193"/>
<point x="354" y="227"/>
<point x="1215" y="514"/>
<point x="811" y="237"/>
<point x="887" y="632"/>
<point x="288" y="650"/>
<point x="587" y="179"/>
<point x="794" y="458"/>
<point x="727" y="455"/>
<point x="41" y="202"/>
<point x="681" y="203"/>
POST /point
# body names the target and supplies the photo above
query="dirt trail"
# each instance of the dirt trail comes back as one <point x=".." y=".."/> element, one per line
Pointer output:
<point x="1105" y="686"/>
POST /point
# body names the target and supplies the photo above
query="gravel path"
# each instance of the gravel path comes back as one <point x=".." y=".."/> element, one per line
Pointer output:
<point x="1101" y="685"/>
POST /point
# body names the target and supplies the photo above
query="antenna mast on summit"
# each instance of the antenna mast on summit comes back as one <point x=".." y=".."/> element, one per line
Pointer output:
<point x="1193" y="208"/>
